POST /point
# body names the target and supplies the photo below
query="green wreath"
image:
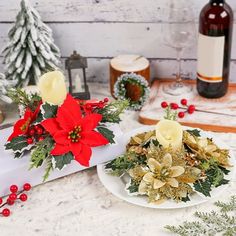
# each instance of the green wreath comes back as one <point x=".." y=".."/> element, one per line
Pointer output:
<point x="120" y="91"/>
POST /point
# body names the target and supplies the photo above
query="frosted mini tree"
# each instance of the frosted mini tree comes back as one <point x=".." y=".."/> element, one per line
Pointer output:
<point x="31" y="50"/>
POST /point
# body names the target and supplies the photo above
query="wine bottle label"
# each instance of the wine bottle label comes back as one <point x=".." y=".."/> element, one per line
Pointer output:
<point x="210" y="58"/>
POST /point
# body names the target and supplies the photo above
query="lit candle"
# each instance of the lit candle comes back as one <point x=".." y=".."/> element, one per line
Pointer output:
<point x="52" y="87"/>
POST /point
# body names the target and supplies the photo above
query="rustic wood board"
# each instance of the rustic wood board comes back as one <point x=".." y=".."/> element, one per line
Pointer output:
<point x="152" y="111"/>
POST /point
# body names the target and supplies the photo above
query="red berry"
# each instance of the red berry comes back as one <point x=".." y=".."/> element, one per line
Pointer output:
<point x="181" y="115"/>
<point x="191" y="109"/>
<point x="27" y="187"/>
<point x="10" y="202"/>
<point x="100" y="105"/>
<point x="184" y="102"/>
<point x="88" y="107"/>
<point x="30" y="141"/>
<point x="23" y="197"/>
<point x="39" y="131"/>
<point x="106" y="100"/>
<point x="12" y="197"/>
<point x="13" y="188"/>
<point x="6" y="212"/>
<point x="32" y="132"/>
<point x="1" y="201"/>
<point x="41" y="138"/>
<point x="164" y="105"/>
<point x="174" y="106"/>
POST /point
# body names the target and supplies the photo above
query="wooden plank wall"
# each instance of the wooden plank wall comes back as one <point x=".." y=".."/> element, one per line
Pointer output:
<point x="102" y="29"/>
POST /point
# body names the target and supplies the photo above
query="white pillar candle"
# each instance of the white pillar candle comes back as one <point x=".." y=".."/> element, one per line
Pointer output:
<point x="129" y="63"/>
<point x="52" y="87"/>
<point x="169" y="133"/>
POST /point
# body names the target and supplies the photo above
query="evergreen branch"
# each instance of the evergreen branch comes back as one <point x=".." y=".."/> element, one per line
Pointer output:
<point x="227" y="207"/>
<point x="170" y="114"/>
<point x="20" y="97"/>
<point x="48" y="169"/>
<point x="41" y="152"/>
<point x="210" y="224"/>
<point x="111" y="113"/>
<point x="122" y="164"/>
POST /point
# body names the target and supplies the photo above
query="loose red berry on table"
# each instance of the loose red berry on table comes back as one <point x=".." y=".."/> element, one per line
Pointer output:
<point x="23" y="197"/>
<point x="184" y="102"/>
<point x="12" y="197"/>
<point x="181" y="114"/>
<point x="13" y="188"/>
<point x="10" y="202"/>
<point x="191" y="109"/>
<point x="164" y="104"/>
<point x="30" y="140"/>
<point x="6" y="212"/>
<point x="174" y="106"/>
<point x="106" y="99"/>
<point x="1" y="201"/>
<point x="27" y="187"/>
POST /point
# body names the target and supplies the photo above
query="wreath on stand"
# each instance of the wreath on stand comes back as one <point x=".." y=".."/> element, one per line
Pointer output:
<point x="121" y="89"/>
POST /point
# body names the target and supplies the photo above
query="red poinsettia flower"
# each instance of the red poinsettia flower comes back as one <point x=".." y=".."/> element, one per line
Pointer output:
<point x="21" y="127"/>
<point x="74" y="133"/>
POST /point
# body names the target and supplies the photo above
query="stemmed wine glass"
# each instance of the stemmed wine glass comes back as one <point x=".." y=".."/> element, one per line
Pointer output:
<point x="179" y="33"/>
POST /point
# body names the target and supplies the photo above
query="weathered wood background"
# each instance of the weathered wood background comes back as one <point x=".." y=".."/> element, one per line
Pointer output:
<point x="102" y="29"/>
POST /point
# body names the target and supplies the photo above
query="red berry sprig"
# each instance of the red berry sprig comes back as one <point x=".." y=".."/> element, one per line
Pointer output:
<point x="90" y="106"/>
<point x="190" y="109"/>
<point x="36" y="133"/>
<point x="13" y="197"/>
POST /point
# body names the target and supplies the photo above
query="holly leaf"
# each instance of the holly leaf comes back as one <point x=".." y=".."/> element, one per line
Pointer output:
<point x="203" y="186"/>
<point x="215" y="178"/>
<point x="194" y="132"/>
<point x="224" y="170"/>
<point x="63" y="160"/>
<point x="39" y="118"/>
<point x="133" y="186"/>
<point x="18" y="155"/>
<point x="185" y="199"/>
<point x="108" y="134"/>
<point x="49" y="110"/>
<point x="17" y="144"/>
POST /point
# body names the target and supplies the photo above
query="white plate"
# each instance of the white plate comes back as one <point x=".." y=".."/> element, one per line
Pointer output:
<point x="117" y="187"/>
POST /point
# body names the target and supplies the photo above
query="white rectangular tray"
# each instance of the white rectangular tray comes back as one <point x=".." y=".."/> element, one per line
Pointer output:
<point x="16" y="171"/>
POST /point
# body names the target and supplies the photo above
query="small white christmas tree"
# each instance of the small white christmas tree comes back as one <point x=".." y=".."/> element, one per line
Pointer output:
<point x="31" y="50"/>
<point x="4" y="86"/>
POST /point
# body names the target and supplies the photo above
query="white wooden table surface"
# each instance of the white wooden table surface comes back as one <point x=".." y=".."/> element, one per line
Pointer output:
<point x="80" y="205"/>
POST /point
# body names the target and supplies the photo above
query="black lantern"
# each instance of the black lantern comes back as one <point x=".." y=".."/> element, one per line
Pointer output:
<point x="76" y="66"/>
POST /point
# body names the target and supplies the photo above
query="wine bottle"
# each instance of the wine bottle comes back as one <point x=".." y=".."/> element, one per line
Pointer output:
<point x="214" y="49"/>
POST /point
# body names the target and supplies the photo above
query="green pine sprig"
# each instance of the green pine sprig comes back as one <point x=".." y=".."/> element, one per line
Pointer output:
<point x="222" y="222"/>
<point x="170" y="114"/>
<point x="20" y="97"/>
<point x="111" y="113"/>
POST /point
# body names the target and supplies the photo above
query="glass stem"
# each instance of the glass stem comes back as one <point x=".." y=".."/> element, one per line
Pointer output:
<point x="178" y="76"/>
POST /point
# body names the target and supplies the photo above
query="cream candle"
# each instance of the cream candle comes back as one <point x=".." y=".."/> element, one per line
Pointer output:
<point x="169" y="133"/>
<point x="52" y="87"/>
<point x="127" y="64"/>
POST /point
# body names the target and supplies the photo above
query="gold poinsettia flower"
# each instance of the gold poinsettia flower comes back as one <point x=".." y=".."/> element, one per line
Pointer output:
<point x="160" y="174"/>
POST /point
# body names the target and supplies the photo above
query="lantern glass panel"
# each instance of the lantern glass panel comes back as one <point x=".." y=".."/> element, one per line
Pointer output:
<point x="77" y="81"/>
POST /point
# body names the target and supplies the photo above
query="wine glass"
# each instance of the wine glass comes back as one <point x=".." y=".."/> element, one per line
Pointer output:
<point x="179" y="33"/>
